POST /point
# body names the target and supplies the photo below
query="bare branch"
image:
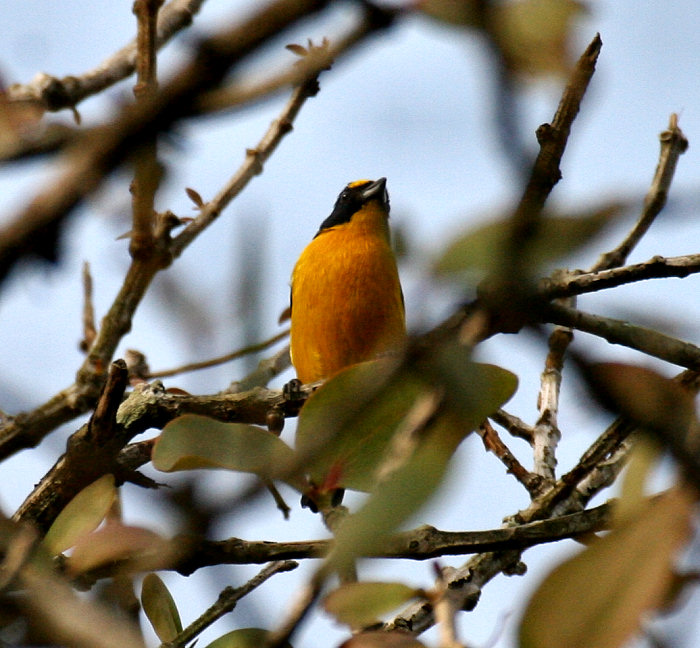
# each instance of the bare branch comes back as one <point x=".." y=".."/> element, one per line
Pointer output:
<point x="649" y="341"/>
<point x="513" y="425"/>
<point x="673" y="145"/>
<point x="492" y="442"/>
<point x="227" y="601"/>
<point x="658" y="267"/>
<point x="55" y="94"/>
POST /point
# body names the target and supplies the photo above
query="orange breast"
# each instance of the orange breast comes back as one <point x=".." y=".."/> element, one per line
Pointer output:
<point x="346" y="302"/>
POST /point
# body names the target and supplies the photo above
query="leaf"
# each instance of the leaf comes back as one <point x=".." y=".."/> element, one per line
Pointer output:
<point x="398" y="497"/>
<point x="193" y="441"/>
<point x="160" y="608"/>
<point x="481" y="250"/>
<point x="243" y="638"/>
<point x="382" y="640"/>
<point x="535" y="35"/>
<point x="195" y="197"/>
<point x="361" y="604"/>
<point x="644" y="457"/>
<point x="463" y="13"/>
<point x="346" y="425"/>
<point x="597" y="598"/>
<point x="144" y="549"/>
<point x="81" y="515"/>
<point x="650" y="400"/>
<point x="472" y="390"/>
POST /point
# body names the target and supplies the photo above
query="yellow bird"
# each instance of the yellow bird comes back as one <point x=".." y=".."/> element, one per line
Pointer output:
<point x="346" y="299"/>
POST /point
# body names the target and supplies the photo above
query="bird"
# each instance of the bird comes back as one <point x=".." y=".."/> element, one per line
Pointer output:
<point x="346" y="300"/>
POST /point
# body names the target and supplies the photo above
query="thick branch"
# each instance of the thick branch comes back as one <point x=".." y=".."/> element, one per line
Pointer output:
<point x="148" y="406"/>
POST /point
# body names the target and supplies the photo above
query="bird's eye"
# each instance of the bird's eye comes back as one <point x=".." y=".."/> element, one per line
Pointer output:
<point x="345" y="195"/>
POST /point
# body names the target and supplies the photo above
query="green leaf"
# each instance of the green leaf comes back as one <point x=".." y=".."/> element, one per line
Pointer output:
<point x="346" y="425"/>
<point x="397" y="498"/>
<point x="472" y="390"/>
<point x="193" y="441"/>
<point x="243" y="638"/>
<point x="598" y="598"/>
<point x="160" y="608"/>
<point x="464" y="393"/>
<point x="361" y="604"/>
<point x="535" y="35"/>
<point x="481" y="250"/>
<point x="81" y="515"/>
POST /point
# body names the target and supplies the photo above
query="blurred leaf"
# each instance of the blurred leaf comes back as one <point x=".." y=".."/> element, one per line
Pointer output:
<point x="81" y="515"/>
<point x="160" y="608"/>
<point x="398" y="497"/>
<point x="361" y="604"/>
<point x="382" y="640"/>
<point x="243" y="638"/>
<point x="463" y="13"/>
<point x="597" y="598"/>
<point x="472" y="390"/>
<point x="115" y="542"/>
<point x="648" y="399"/>
<point x="644" y="457"/>
<point x="535" y="36"/>
<point x="346" y="425"/>
<point x="193" y="441"/>
<point x="481" y="249"/>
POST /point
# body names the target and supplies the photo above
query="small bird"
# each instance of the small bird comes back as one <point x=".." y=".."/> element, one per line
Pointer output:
<point x="346" y="299"/>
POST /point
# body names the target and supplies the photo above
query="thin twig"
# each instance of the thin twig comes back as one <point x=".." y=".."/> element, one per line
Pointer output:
<point x="89" y="331"/>
<point x="267" y="369"/>
<point x="252" y="165"/>
<point x="545" y="170"/>
<point x="513" y="425"/>
<point x="147" y="172"/>
<point x="213" y="362"/>
<point x="227" y="601"/>
<point x="673" y="145"/>
<point x="493" y="442"/>
<point x="423" y="543"/>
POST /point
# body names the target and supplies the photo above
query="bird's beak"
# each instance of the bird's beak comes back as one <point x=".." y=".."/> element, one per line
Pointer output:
<point x="376" y="191"/>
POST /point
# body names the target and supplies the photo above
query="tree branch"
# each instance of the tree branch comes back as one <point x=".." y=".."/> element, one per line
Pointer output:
<point x="55" y="94"/>
<point x="673" y="145"/>
<point x="227" y="601"/>
<point x="658" y="267"/>
<point x="653" y="343"/>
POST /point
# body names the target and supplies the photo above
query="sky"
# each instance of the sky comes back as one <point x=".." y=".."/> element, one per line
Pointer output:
<point x="413" y="105"/>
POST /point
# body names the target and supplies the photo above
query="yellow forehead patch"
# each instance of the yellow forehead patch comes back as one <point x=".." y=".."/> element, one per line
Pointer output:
<point x="357" y="183"/>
